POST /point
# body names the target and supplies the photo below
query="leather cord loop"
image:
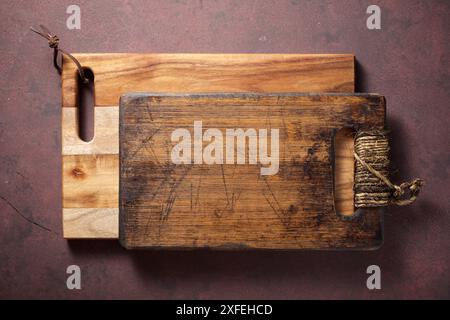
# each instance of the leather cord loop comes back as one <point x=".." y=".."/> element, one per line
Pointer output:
<point x="53" y="42"/>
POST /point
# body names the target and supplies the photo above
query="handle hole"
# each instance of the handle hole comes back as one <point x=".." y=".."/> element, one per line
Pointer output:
<point x="86" y="104"/>
<point x="344" y="171"/>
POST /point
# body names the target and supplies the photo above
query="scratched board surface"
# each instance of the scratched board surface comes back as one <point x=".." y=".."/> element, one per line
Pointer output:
<point x="180" y="188"/>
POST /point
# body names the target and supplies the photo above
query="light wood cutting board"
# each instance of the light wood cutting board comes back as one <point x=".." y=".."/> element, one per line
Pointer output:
<point x="90" y="177"/>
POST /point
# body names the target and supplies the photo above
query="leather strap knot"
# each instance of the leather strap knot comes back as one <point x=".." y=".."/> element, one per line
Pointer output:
<point x="53" y="42"/>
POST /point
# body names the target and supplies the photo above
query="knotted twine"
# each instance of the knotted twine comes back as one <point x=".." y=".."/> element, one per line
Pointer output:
<point x="372" y="185"/>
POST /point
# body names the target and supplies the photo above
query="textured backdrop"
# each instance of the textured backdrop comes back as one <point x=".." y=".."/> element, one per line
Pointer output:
<point x="407" y="61"/>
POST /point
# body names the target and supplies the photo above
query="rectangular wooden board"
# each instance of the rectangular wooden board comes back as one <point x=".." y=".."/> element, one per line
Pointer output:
<point x="167" y="203"/>
<point x="116" y="74"/>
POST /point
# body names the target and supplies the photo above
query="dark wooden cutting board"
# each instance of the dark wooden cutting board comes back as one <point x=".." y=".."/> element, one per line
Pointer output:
<point x="232" y="205"/>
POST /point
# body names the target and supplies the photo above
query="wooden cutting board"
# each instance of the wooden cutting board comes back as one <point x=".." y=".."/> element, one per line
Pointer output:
<point x="90" y="177"/>
<point x="187" y="180"/>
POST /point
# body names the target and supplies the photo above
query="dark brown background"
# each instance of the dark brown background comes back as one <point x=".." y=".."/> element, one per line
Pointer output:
<point x="408" y="61"/>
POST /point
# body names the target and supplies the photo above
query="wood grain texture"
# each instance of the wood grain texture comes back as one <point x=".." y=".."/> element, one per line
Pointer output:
<point x="166" y="205"/>
<point x="90" y="181"/>
<point x="106" y="132"/>
<point x="86" y="223"/>
<point x="344" y="171"/>
<point x="116" y="74"/>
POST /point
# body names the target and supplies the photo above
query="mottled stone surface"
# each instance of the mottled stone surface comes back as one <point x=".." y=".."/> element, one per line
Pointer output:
<point x="407" y="61"/>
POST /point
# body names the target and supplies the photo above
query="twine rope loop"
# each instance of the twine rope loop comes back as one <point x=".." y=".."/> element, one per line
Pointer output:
<point x="372" y="185"/>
